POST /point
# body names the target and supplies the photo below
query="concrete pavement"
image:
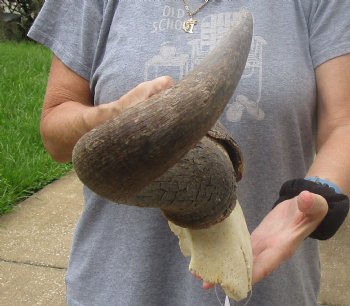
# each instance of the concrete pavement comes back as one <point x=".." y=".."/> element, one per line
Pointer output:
<point x="35" y="241"/>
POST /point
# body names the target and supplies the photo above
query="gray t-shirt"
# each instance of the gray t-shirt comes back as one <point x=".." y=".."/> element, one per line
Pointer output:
<point x="125" y="255"/>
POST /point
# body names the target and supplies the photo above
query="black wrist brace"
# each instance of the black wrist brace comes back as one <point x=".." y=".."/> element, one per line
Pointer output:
<point x="338" y="205"/>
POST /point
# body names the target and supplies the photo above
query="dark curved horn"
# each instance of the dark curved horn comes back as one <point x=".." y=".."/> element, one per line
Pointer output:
<point x="126" y="153"/>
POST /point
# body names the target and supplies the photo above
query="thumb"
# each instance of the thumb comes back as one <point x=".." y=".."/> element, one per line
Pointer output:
<point x="312" y="205"/>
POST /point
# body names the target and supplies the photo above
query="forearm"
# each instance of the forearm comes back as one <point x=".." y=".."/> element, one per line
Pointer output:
<point x="68" y="112"/>
<point x="62" y="126"/>
<point x="332" y="161"/>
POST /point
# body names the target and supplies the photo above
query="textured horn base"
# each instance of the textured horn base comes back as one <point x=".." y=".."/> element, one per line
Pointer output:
<point x="198" y="191"/>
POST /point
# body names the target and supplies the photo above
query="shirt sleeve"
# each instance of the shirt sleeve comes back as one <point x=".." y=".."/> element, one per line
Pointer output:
<point x="70" y="28"/>
<point x="329" y="27"/>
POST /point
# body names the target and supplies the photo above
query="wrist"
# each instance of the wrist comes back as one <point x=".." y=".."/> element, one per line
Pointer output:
<point x="97" y="115"/>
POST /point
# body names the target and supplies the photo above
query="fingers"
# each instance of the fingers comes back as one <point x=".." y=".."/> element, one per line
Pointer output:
<point x="143" y="91"/>
<point x="205" y="285"/>
<point x="312" y="205"/>
<point x="138" y="94"/>
<point x="267" y="261"/>
<point x="160" y="84"/>
<point x="283" y="230"/>
<point x="313" y="208"/>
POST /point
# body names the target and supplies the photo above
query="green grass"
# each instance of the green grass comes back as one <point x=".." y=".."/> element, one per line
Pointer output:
<point x="25" y="167"/>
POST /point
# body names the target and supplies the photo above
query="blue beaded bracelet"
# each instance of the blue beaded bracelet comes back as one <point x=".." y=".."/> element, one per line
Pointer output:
<point x="321" y="181"/>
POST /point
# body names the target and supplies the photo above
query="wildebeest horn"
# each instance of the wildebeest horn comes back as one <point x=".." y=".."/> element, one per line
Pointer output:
<point x="125" y="154"/>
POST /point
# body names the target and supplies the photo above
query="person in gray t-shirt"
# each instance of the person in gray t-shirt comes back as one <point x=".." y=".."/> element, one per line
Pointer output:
<point x="293" y="101"/>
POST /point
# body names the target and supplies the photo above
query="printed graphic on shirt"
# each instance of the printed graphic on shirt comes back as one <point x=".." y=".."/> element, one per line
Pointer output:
<point x="206" y="34"/>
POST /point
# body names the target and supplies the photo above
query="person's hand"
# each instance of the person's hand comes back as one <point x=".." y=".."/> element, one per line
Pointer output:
<point x="136" y="95"/>
<point x="95" y="116"/>
<point x="281" y="232"/>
